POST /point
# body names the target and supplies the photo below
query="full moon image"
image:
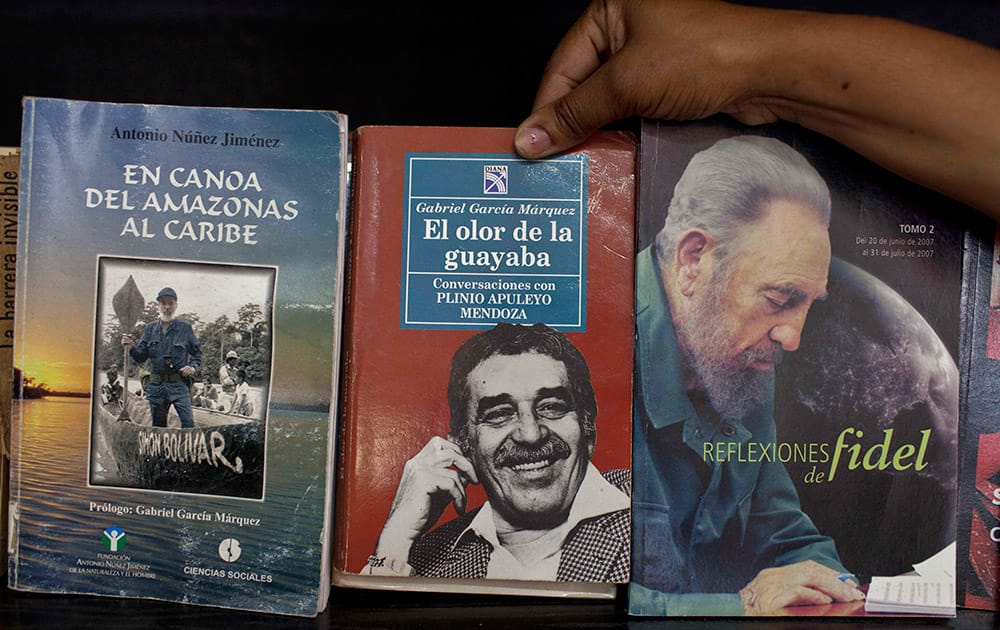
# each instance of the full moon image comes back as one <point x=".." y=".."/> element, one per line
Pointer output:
<point x="870" y="363"/>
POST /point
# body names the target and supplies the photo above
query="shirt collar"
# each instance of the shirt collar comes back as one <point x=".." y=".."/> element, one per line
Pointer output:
<point x="595" y="497"/>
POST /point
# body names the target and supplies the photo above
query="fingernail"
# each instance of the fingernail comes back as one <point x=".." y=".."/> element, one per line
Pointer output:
<point x="858" y="594"/>
<point x="532" y="141"/>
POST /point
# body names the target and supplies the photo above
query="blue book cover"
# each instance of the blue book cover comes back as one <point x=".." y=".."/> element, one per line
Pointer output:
<point x="178" y="302"/>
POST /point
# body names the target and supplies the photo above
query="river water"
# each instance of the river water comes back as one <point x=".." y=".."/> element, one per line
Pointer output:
<point x="176" y="547"/>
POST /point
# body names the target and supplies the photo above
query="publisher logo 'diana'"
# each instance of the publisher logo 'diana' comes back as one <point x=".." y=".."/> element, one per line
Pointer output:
<point x="495" y="179"/>
<point x="113" y="539"/>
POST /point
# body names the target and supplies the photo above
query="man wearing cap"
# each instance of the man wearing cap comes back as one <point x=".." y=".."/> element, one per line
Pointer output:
<point x="227" y="372"/>
<point x="174" y="354"/>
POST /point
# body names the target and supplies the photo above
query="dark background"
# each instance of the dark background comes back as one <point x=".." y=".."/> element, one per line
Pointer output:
<point x="417" y="63"/>
<point x="387" y="63"/>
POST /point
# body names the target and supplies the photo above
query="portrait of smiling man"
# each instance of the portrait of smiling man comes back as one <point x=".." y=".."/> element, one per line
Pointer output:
<point x="523" y="424"/>
<point x="721" y="294"/>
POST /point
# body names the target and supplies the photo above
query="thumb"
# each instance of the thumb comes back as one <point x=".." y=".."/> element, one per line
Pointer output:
<point x="568" y="120"/>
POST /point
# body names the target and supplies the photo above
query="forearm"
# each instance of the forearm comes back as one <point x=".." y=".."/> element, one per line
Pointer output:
<point x="919" y="102"/>
<point x="194" y="353"/>
<point x="923" y="104"/>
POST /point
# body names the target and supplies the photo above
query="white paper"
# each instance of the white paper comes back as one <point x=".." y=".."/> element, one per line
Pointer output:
<point x="911" y="594"/>
<point x="940" y="566"/>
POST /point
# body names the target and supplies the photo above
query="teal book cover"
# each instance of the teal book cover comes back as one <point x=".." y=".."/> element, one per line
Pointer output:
<point x="178" y="323"/>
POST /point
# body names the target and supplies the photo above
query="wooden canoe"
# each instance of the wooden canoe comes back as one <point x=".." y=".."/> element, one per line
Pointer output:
<point x="220" y="455"/>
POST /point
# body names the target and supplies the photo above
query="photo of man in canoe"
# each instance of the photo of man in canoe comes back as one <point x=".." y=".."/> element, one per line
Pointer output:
<point x="172" y="428"/>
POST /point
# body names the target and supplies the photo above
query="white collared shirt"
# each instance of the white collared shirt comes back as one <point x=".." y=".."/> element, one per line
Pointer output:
<point x="595" y="497"/>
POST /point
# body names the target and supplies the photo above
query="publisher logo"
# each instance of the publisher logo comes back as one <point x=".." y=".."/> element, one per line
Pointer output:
<point x="113" y="539"/>
<point x="229" y="550"/>
<point x="495" y="179"/>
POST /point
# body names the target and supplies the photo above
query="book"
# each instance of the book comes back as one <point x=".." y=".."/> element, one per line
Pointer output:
<point x="156" y="242"/>
<point x="978" y="568"/>
<point x="797" y="383"/>
<point x="10" y="185"/>
<point x="911" y="595"/>
<point x="475" y="275"/>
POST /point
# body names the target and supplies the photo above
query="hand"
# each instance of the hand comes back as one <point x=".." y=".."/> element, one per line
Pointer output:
<point x="799" y="584"/>
<point x="128" y="340"/>
<point x="433" y="478"/>
<point x="916" y="101"/>
<point x="187" y="371"/>
<point x="678" y="60"/>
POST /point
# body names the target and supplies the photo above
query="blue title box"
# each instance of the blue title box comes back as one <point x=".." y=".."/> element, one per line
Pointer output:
<point x="489" y="238"/>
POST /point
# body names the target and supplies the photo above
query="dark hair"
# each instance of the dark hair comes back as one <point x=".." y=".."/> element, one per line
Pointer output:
<point x="514" y="339"/>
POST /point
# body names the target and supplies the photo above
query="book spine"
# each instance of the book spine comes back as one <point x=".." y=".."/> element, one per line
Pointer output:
<point x="348" y="414"/>
<point x="10" y="185"/>
<point x="978" y="549"/>
<point x="24" y="203"/>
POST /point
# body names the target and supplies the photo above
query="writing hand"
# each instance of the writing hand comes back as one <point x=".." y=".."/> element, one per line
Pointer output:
<point x="799" y="584"/>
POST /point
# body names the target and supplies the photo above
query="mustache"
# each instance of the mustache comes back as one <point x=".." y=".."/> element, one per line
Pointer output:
<point x="772" y="353"/>
<point x="511" y="453"/>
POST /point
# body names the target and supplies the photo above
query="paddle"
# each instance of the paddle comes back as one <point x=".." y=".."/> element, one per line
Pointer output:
<point x="128" y="304"/>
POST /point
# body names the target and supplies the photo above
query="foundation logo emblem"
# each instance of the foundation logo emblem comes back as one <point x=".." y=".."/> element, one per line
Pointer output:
<point x="114" y="539"/>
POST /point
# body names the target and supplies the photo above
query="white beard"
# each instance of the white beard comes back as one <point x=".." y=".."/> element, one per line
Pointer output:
<point x="733" y="386"/>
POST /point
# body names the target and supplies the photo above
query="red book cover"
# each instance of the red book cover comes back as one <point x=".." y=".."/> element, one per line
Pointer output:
<point x="452" y="234"/>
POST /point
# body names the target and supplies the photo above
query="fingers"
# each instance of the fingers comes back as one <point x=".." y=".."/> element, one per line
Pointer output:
<point x="447" y="480"/>
<point x="800" y="584"/>
<point x="570" y="119"/>
<point x="463" y="464"/>
<point x="425" y="489"/>
<point x="577" y="56"/>
<point x="826" y="581"/>
<point x="443" y="452"/>
<point x="831" y="585"/>
<point x="443" y="468"/>
<point x="570" y="103"/>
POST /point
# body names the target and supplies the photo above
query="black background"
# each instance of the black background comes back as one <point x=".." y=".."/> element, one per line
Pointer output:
<point x="415" y="63"/>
